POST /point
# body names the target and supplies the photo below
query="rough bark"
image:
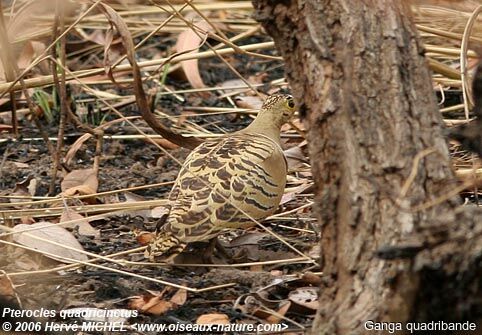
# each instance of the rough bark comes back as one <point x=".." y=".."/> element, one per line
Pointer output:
<point x="390" y="250"/>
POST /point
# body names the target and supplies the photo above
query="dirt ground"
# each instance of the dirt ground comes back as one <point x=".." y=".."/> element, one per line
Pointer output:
<point x="257" y="293"/>
<point x="263" y="281"/>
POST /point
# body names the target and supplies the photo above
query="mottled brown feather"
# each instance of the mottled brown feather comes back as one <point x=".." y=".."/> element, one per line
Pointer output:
<point x="221" y="179"/>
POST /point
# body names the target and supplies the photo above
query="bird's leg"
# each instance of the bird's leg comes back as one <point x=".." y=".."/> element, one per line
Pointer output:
<point x="207" y="255"/>
<point x="222" y="249"/>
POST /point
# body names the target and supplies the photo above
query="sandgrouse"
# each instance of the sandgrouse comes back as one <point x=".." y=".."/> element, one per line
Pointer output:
<point x="226" y="182"/>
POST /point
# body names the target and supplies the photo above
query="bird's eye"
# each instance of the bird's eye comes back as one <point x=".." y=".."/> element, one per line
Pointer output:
<point x="291" y="103"/>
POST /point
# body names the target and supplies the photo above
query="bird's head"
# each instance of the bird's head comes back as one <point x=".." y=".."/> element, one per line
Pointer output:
<point x="280" y="107"/>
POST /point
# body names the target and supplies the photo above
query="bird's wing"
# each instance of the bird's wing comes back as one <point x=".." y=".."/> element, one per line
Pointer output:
<point x="221" y="180"/>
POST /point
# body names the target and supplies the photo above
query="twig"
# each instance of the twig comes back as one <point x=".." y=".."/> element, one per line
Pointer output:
<point x="61" y="91"/>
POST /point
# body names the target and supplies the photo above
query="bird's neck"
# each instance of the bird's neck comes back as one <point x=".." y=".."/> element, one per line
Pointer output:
<point x="264" y="125"/>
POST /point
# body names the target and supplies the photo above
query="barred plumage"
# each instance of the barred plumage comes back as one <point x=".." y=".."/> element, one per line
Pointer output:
<point x="244" y="172"/>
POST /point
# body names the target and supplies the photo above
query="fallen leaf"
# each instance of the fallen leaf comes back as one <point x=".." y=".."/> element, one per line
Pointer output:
<point x="297" y="125"/>
<point x="250" y="102"/>
<point x="306" y="297"/>
<point x="159" y="211"/>
<point x="21" y="165"/>
<point x="51" y="232"/>
<point x="292" y="192"/>
<point x="133" y="197"/>
<point x="213" y="318"/>
<point x="25" y="22"/>
<point x="144" y="238"/>
<point x="27" y="220"/>
<point x="226" y="86"/>
<point x="156" y="305"/>
<point x="5" y="127"/>
<point x="295" y="157"/>
<point x="81" y="140"/>
<point x="116" y="20"/>
<point x="151" y="305"/>
<point x="276" y="318"/>
<point x="315" y="251"/>
<point x="310" y="278"/>
<point x="24" y="190"/>
<point x="6" y="287"/>
<point x="180" y="297"/>
<point x="80" y="182"/>
<point x="20" y="194"/>
<point x="247" y="239"/>
<point x="84" y="226"/>
<point x="160" y="307"/>
<point x="190" y="41"/>
<point x="30" y="51"/>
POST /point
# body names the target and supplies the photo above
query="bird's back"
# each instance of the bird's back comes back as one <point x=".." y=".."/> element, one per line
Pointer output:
<point x="228" y="183"/>
<point x="222" y="179"/>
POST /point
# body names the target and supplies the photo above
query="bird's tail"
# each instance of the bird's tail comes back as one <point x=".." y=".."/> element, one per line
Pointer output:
<point x="164" y="244"/>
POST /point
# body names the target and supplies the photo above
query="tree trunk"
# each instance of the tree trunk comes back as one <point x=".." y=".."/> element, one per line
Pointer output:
<point x="395" y="244"/>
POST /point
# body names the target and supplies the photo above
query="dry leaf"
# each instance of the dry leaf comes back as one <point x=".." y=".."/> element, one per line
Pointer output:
<point x="249" y="102"/>
<point x="75" y="147"/>
<point x="84" y="226"/>
<point x="81" y="140"/>
<point x="306" y="297"/>
<point x="6" y="117"/>
<point x="26" y="21"/>
<point x="25" y="189"/>
<point x="285" y="306"/>
<point x="247" y="239"/>
<point x="213" y="318"/>
<point x="295" y="158"/>
<point x="23" y="24"/>
<point x="80" y="182"/>
<point x="292" y="192"/>
<point x="159" y="212"/>
<point x="6" y="287"/>
<point x="132" y="197"/>
<point x="315" y="251"/>
<point x="30" y="51"/>
<point x="190" y="41"/>
<point x="116" y="20"/>
<point x="151" y="305"/>
<point x="225" y="86"/>
<point x="137" y="302"/>
<point x="6" y="127"/>
<point x="51" y="232"/>
<point x="144" y="238"/>
<point x="310" y="278"/>
<point x="180" y="297"/>
<point x="21" y="165"/>
<point x="154" y="304"/>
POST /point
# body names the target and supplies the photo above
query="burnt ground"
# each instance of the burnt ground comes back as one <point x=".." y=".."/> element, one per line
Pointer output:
<point x="258" y="293"/>
<point x="133" y="162"/>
